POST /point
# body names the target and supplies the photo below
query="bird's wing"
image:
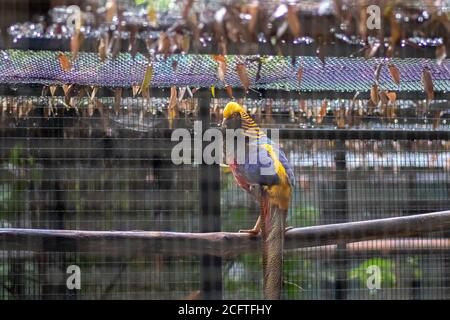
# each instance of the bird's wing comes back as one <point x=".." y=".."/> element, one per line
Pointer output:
<point x="260" y="170"/>
<point x="280" y="156"/>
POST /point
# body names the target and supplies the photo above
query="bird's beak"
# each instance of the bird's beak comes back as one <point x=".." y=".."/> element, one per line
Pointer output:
<point x="224" y="123"/>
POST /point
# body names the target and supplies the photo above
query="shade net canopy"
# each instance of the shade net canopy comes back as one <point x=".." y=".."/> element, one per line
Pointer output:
<point x="276" y="72"/>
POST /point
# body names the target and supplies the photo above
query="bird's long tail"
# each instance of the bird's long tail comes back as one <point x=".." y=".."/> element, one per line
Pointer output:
<point x="273" y="220"/>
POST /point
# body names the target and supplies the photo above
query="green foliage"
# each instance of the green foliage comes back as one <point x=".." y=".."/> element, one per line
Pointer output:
<point x="242" y="277"/>
<point x="294" y="276"/>
<point x="414" y="263"/>
<point x="236" y="218"/>
<point x="15" y="157"/>
<point x="20" y="171"/>
<point x="303" y="216"/>
<point x="5" y="193"/>
<point x="387" y="267"/>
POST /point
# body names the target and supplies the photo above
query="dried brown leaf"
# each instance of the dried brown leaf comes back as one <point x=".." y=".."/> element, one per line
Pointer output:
<point x="102" y="49"/>
<point x="392" y="96"/>
<point x="111" y="10"/>
<point x="340" y="115"/>
<point x="221" y="67"/>
<point x="186" y="44"/>
<point x="372" y="49"/>
<point x="117" y="100"/>
<point x="67" y="88"/>
<point x="441" y="53"/>
<point x="374" y="94"/>
<point x="53" y="90"/>
<point x="362" y="25"/>
<point x="164" y="44"/>
<point x="187" y="8"/>
<point x="269" y="112"/>
<point x="427" y="82"/>
<point x="48" y="110"/>
<point x="395" y="34"/>
<point x="172" y="108"/>
<point x="93" y="92"/>
<point x="75" y="43"/>
<point x="437" y="119"/>
<point x="229" y="91"/>
<point x="322" y="111"/>
<point x="302" y="106"/>
<point x="384" y="97"/>
<point x="291" y="114"/>
<point x="395" y="73"/>
<point x="148" y="76"/>
<point x="241" y="70"/>
<point x="64" y="62"/>
<point x="300" y="74"/>
<point x="293" y="21"/>
<point x="115" y="45"/>
<point x="90" y="108"/>
<point x="135" y="89"/>
<point x="152" y="17"/>
<point x="253" y="12"/>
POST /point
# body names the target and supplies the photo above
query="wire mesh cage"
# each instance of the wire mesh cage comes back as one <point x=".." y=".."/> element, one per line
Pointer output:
<point x="88" y="185"/>
<point x="66" y="172"/>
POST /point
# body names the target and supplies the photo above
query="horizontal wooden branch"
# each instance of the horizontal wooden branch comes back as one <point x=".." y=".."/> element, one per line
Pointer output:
<point x="383" y="246"/>
<point x="135" y="243"/>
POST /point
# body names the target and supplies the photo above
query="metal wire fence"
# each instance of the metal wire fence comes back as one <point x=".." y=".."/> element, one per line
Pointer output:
<point x="69" y="171"/>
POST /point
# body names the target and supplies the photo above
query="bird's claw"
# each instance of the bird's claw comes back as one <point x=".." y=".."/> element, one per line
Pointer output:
<point x="288" y="228"/>
<point x="250" y="231"/>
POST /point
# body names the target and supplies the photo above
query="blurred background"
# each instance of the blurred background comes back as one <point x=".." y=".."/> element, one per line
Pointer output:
<point x="95" y="169"/>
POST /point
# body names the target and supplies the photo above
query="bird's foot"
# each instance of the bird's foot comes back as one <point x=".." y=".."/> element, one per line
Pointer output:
<point x="253" y="232"/>
<point x="288" y="228"/>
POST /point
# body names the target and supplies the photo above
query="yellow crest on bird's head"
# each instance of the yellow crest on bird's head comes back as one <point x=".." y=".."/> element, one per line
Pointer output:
<point x="231" y="108"/>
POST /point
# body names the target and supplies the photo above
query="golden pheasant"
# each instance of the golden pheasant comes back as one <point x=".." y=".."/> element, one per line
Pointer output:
<point x="270" y="180"/>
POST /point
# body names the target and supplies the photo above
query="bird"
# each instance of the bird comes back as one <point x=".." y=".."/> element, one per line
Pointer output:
<point x="270" y="180"/>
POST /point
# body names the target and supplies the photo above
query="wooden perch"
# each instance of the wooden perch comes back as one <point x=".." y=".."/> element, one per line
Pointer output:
<point x="384" y="246"/>
<point x="397" y="245"/>
<point x="135" y="243"/>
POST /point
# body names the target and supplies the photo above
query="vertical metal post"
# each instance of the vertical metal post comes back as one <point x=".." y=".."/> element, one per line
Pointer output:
<point x="209" y="183"/>
<point x="341" y="216"/>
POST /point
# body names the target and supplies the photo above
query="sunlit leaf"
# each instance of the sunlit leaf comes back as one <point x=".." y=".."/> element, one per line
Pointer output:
<point x="374" y="94"/>
<point x="293" y="21"/>
<point x="395" y="73"/>
<point x="322" y="111"/>
<point x="241" y="70"/>
<point x="117" y="99"/>
<point x="147" y="78"/>
<point x="441" y="53"/>
<point x="64" y="62"/>
<point x="427" y="82"/>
